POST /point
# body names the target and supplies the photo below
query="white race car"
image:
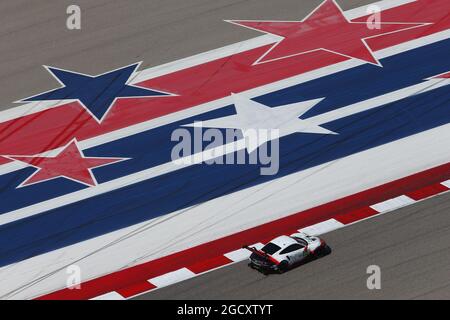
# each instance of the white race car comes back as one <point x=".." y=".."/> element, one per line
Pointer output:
<point x="285" y="252"/>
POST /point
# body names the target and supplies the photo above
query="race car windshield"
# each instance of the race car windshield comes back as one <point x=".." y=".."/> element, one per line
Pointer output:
<point x="270" y="248"/>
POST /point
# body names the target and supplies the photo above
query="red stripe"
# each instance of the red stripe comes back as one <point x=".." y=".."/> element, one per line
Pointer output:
<point x="444" y="76"/>
<point x="210" y="264"/>
<point x="135" y="289"/>
<point x="285" y="225"/>
<point x="356" y="215"/>
<point x="55" y="127"/>
<point x="427" y="191"/>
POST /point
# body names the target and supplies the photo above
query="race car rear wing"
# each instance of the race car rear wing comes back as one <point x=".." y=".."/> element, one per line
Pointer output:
<point x="254" y="250"/>
<point x="261" y="254"/>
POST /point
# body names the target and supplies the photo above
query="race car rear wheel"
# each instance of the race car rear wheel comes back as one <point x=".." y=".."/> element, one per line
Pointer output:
<point x="283" y="266"/>
<point x="322" y="251"/>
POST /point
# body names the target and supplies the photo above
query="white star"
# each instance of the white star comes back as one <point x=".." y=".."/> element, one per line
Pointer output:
<point x="252" y="116"/>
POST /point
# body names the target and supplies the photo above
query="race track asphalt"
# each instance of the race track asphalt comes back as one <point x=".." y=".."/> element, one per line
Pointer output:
<point x="410" y="245"/>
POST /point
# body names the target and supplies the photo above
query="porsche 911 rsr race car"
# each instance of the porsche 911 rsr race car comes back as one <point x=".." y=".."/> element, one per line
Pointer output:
<point x="285" y="252"/>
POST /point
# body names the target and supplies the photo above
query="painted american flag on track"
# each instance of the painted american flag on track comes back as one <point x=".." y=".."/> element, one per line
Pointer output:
<point x="86" y="170"/>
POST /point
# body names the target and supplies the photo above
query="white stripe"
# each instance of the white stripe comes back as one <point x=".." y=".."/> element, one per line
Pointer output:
<point x="109" y="296"/>
<point x="446" y="183"/>
<point x="172" y="277"/>
<point x="238" y="255"/>
<point x="322" y="227"/>
<point x="392" y="204"/>
<point x="242" y="254"/>
<point x="185" y="63"/>
<point x="205" y="57"/>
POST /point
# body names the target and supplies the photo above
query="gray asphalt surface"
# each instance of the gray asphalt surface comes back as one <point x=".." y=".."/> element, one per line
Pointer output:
<point x="115" y="33"/>
<point x="410" y="245"/>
